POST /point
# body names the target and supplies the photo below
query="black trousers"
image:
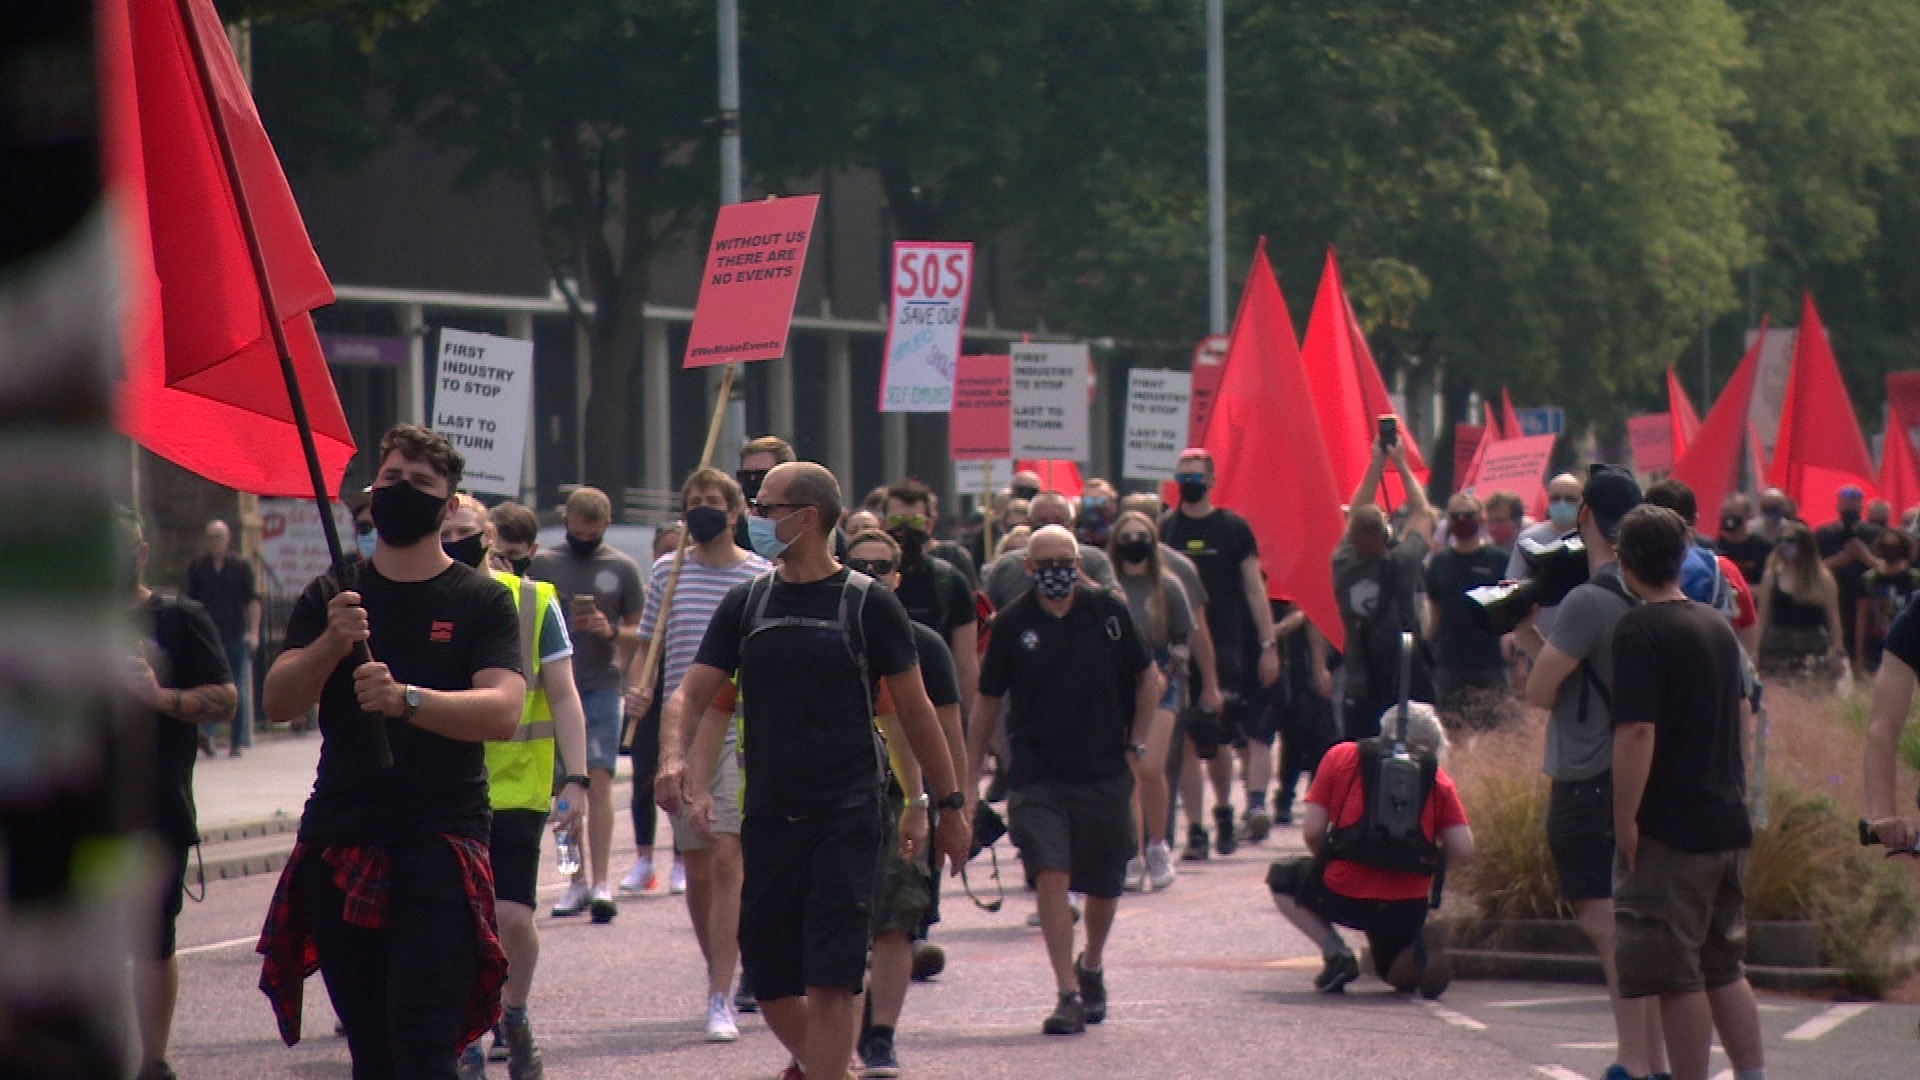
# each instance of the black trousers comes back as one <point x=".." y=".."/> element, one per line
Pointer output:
<point x="1306" y="733"/>
<point x="646" y="758"/>
<point x="400" y="991"/>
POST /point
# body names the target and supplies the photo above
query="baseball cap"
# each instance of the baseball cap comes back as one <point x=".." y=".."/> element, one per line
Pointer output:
<point x="1611" y="491"/>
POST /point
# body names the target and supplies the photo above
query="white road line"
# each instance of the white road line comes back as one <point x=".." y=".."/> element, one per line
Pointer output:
<point x="1558" y="1072"/>
<point x="217" y="945"/>
<point x="1541" y="1003"/>
<point x="1459" y="1020"/>
<point x="1826" y="1022"/>
<point x="1587" y="1046"/>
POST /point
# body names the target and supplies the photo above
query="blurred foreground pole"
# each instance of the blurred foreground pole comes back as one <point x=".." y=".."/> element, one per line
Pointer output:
<point x="733" y="431"/>
<point x="74" y="878"/>
<point x="1216" y="167"/>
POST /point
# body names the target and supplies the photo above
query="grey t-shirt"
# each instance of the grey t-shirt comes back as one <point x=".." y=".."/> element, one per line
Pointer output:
<point x="613" y="580"/>
<point x="1580" y="749"/>
<point x="1177" y="564"/>
<point x="1139" y="589"/>
<point x="1007" y="578"/>
<point x="1358" y="587"/>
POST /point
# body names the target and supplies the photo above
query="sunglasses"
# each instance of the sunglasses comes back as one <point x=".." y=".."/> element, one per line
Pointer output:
<point x="1464" y="521"/>
<point x="906" y="521"/>
<point x="765" y="509"/>
<point x="750" y="477"/>
<point x="873" y="568"/>
<point x="363" y="527"/>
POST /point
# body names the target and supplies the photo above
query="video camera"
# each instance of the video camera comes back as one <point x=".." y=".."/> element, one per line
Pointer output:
<point x="1555" y="568"/>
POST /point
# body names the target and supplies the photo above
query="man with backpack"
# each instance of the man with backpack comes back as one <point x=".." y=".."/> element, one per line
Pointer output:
<point x="809" y="640"/>
<point x="1707" y="577"/>
<point x="1369" y="872"/>
<point x="1573" y="678"/>
<point x="1377" y="583"/>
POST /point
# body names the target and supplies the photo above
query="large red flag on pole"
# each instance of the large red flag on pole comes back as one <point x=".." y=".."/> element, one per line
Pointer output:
<point x="1710" y="465"/>
<point x="1819" y="449"/>
<point x="1373" y="390"/>
<point x="1899" y="464"/>
<point x="1270" y="459"/>
<point x="211" y="243"/>
<point x="1681" y="415"/>
<point x="1509" y="419"/>
<point x="1349" y="396"/>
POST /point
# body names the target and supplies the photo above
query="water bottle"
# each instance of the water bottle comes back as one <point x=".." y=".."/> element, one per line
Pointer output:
<point x="566" y="843"/>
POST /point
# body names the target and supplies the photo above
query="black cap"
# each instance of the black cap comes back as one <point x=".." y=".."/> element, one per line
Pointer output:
<point x="1611" y="491"/>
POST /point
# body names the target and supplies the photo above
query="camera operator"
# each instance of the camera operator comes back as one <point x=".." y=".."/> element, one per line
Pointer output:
<point x="1563" y="510"/>
<point x="1377" y="583"/>
<point x="1573" y="678"/>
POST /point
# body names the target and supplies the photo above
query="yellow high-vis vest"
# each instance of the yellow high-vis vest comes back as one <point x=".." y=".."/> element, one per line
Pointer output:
<point x="520" y="770"/>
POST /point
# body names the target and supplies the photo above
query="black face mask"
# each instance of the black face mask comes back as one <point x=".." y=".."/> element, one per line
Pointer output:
<point x="1849" y="518"/>
<point x="1134" y="551"/>
<point x="913" y="544"/>
<point x="749" y="481"/>
<point x="582" y="548"/>
<point x="404" y="515"/>
<point x="1731" y="524"/>
<point x="1193" y="491"/>
<point x="520" y="565"/>
<point x="706" y="522"/>
<point x="1025" y="491"/>
<point x="471" y="550"/>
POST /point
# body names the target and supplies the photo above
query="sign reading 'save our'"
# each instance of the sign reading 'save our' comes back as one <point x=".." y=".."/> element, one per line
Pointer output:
<point x="930" y="286"/>
<point x="1157" y="418"/>
<point x="480" y="404"/>
<point x="1050" y="401"/>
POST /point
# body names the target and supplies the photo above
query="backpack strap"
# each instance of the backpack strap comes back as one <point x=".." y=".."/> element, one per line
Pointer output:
<point x="1590" y="678"/>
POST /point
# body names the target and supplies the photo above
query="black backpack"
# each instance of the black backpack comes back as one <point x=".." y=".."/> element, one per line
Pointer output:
<point x="1395" y="783"/>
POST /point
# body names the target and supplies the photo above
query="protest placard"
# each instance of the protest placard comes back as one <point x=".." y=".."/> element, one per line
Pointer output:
<point x="977" y="477"/>
<point x="751" y="278"/>
<point x="1466" y="442"/>
<point x="980" y="425"/>
<point x="1157" y="418"/>
<point x="930" y="287"/>
<point x="1049" y="405"/>
<point x="1209" y="367"/>
<point x="480" y="404"/>
<point x="1516" y="465"/>
<point x="293" y="546"/>
<point x="1650" y="437"/>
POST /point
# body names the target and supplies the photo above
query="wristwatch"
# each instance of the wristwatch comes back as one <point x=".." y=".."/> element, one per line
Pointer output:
<point x="1268" y="644"/>
<point x="585" y="782"/>
<point x="952" y="801"/>
<point x="411" y="695"/>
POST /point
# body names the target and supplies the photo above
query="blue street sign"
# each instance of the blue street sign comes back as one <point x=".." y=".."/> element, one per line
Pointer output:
<point x="1542" y="420"/>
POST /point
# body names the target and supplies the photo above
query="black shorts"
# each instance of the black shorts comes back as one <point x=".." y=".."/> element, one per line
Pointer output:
<point x="173" y="899"/>
<point x="1391" y="926"/>
<point x="1580" y="837"/>
<point x="807" y="901"/>
<point x="515" y="850"/>
<point x="1260" y="712"/>
<point x="1084" y="830"/>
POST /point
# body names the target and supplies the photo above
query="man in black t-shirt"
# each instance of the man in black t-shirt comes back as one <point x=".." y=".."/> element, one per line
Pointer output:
<point x="1846" y="547"/>
<point x="179" y="680"/>
<point x="1736" y="539"/>
<point x="408" y="948"/>
<point x="1078" y="674"/>
<point x="936" y="592"/>
<point x="1679" y="804"/>
<point x="1245" y="651"/>
<point x="1469" y="671"/>
<point x="809" y="642"/>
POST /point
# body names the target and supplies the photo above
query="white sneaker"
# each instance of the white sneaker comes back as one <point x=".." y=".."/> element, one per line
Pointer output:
<point x="720" y="1025"/>
<point x="574" y="901"/>
<point x="639" y="879"/>
<point x="1136" y="874"/>
<point x="1159" y="866"/>
<point x="677" y="879"/>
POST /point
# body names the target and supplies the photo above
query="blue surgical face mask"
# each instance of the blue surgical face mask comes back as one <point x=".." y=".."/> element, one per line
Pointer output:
<point x="1563" y="514"/>
<point x="764" y="535"/>
<point x="1054" y="582"/>
<point x="366" y="543"/>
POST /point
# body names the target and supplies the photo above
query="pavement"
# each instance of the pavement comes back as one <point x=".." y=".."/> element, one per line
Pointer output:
<point x="1207" y="981"/>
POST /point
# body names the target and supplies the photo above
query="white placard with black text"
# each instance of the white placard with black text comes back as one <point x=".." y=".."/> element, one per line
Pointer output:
<point x="1050" y="402"/>
<point x="480" y="404"/>
<point x="1157" y="408"/>
<point x="930" y="286"/>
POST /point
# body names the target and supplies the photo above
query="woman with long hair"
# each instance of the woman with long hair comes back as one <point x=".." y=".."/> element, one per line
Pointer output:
<point x="1799" y="610"/>
<point x="1164" y="618"/>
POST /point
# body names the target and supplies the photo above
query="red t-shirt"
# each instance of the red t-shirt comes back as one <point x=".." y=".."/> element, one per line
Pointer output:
<point x="1337" y="789"/>
<point x="1745" y="614"/>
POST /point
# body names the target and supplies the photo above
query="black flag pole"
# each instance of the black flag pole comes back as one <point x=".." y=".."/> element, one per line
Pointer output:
<point x="335" y="553"/>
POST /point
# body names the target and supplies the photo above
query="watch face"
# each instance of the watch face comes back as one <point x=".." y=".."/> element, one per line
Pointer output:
<point x="413" y="697"/>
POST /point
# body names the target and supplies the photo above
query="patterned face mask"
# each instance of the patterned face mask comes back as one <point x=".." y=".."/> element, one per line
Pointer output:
<point x="1054" y="582"/>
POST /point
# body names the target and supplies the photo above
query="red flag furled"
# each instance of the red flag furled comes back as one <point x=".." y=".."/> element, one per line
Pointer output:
<point x="203" y="384"/>
<point x="1509" y="419"/>
<point x="1681" y="417"/>
<point x="1348" y="395"/>
<point x="1373" y="391"/>
<point x="1899" y="464"/>
<point x="1468" y="480"/>
<point x="1710" y="464"/>
<point x="1819" y="449"/>
<point x="1258" y="432"/>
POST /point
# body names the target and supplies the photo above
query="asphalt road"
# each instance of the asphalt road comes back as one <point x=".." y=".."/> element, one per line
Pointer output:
<point x="1206" y="979"/>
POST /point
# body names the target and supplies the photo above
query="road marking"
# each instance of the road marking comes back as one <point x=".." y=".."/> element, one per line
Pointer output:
<point x="1557" y="1072"/>
<point x="1826" y="1022"/>
<point x="1586" y="1046"/>
<point x="1459" y="1020"/>
<point x="217" y="945"/>
<point x="1540" y="1003"/>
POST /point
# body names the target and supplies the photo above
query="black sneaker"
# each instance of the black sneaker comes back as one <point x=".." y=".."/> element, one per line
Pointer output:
<point x="1069" y="1017"/>
<point x="1341" y="968"/>
<point x="1223" y="839"/>
<point x="601" y="906"/>
<point x="1436" y="968"/>
<point x="877" y="1058"/>
<point x="1093" y="991"/>
<point x="1197" y="849"/>
<point x="743" y="999"/>
<point x="1283" y="814"/>
<point x="1258" y="825"/>
<point x="929" y="960"/>
<point x="498" y="1051"/>
<point x="523" y="1057"/>
<point x="156" y="1070"/>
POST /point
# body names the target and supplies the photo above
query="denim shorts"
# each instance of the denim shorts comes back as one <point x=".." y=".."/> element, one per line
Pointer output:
<point x="604" y="709"/>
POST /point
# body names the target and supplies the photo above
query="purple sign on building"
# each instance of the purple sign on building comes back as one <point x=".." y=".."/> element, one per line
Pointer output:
<point x="364" y="350"/>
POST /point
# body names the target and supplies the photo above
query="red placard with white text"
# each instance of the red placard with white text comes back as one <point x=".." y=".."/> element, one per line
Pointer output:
<point x="1209" y="367"/>
<point x="750" y="281"/>
<point x="931" y="282"/>
<point x="980" y="427"/>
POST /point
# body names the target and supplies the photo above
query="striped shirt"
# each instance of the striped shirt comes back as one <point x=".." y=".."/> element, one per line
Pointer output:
<point x="695" y="598"/>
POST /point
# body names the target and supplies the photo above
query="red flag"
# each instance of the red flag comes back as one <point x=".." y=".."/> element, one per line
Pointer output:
<point x="1348" y="393"/>
<point x="1468" y="480"/>
<point x="1899" y="464"/>
<point x="1467" y="439"/>
<point x="1062" y="477"/>
<point x="1494" y="430"/>
<point x="1508" y="418"/>
<point x="203" y="386"/>
<point x="1255" y="436"/>
<point x="1819" y="449"/>
<point x="1373" y="390"/>
<point x="1684" y="421"/>
<point x="1711" y="463"/>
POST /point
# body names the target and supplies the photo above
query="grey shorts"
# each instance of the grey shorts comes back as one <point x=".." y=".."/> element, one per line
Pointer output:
<point x="1084" y="830"/>
<point x="726" y="806"/>
<point x="1679" y="920"/>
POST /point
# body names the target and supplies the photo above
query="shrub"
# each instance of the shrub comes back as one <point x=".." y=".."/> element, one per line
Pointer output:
<point x="1505" y="795"/>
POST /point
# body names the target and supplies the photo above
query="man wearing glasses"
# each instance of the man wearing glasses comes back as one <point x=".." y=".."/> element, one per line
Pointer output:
<point x="809" y="642"/>
<point x="757" y="458"/>
<point x="1563" y="513"/>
